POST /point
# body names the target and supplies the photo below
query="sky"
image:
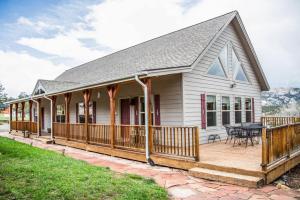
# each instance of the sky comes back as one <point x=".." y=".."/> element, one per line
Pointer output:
<point x="41" y="39"/>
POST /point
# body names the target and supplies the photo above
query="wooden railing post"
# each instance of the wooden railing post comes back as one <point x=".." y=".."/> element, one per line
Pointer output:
<point x="87" y="97"/>
<point x="30" y="116"/>
<point x="197" y="145"/>
<point x="112" y="92"/>
<point x="288" y="139"/>
<point x="23" y="116"/>
<point x="264" y="149"/>
<point x="10" y="117"/>
<point x="67" y="120"/>
<point x="148" y="83"/>
<point x="16" y="112"/>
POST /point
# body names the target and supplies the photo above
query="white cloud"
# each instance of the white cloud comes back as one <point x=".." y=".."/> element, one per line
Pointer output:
<point x="273" y="27"/>
<point x="39" y="26"/>
<point x="20" y="71"/>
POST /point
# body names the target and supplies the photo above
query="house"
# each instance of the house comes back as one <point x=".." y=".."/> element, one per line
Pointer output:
<point x="161" y="98"/>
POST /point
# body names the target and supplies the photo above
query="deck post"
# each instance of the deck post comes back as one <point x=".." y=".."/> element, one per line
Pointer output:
<point x="86" y="97"/>
<point x="10" y="116"/>
<point x="53" y="102"/>
<point x="16" y="111"/>
<point x="39" y="118"/>
<point x="67" y="98"/>
<point x="23" y="114"/>
<point x="112" y="92"/>
<point x="30" y="116"/>
<point x="197" y="145"/>
<point x="148" y="83"/>
<point x="264" y="150"/>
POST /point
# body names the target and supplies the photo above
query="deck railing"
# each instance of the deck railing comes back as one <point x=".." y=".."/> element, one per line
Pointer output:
<point x="77" y="132"/>
<point x="278" y="121"/>
<point x="279" y="143"/>
<point x="130" y="136"/>
<point x="99" y="134"/>
<point x="23" y="126"/>
<point x="60" y="130"/>
<point x="178" y="141"/>
<point x="173" y="141"/>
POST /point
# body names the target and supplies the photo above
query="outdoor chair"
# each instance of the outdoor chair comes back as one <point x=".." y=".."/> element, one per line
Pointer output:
<point x="242" y="136"/>
<point x="230" y="133"/>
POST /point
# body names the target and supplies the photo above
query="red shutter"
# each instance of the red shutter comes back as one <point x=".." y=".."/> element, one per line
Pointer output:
<point x="203" y="112"/>
<point x="157" y="109"/>
<point x="253" y="110"/>
<point x="94" y="112"/>
<point x="76" y="112"/>
<point x="136" y="110"/>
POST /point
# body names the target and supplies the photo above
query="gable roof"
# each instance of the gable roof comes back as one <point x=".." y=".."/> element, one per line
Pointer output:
<point x="181" y="49"/>
<point x="177" y="49"/>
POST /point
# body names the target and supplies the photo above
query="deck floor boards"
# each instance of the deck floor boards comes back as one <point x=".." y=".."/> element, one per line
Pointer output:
<point x="221" y="154"/>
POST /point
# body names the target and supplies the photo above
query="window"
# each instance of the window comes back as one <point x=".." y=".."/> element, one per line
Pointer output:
<point x="238" y="110"/>
<point x="248" y="108"/>
<point x="225" y="110"/>
<point x="142" y="111"/>
<point x="81" y="117"/>
<point x="238" y="71"/>
<point x="217" y="67"/>
<point x="60" y="114"/>
<point x="211" y="110"/>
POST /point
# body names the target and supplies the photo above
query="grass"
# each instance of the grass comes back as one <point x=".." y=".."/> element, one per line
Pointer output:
<point x="28" y="172"/>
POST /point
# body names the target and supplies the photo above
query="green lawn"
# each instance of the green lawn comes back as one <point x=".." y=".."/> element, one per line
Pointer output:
<point x="31" y="173"/>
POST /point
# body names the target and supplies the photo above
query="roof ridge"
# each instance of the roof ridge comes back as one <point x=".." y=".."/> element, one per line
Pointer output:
<point x="235" y="11"/>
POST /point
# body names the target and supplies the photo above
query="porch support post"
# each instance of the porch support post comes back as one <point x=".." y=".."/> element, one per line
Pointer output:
<point x="10" y="116"/>
<point x="86" y="97"/>
<point x="148" y="83"/>
<point x="23" y="115"/>
<point x="16" y="111"/>
<point x="265" y="152"/>
<point x="67" y="97"/>
<point x="53" y="98"/>
<point x="112" y="92"/>
<point x="30" y="116"/>
<point x="39" y="118"/>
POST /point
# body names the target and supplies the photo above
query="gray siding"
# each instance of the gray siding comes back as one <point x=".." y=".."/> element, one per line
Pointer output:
<point x="197" y="82"/>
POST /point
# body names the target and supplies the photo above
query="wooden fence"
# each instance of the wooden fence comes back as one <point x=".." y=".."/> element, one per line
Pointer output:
<point x="60" y="130"/>
<point x="279" y="143"/>
<point x="77" y="132"/>
<point x="178" y="141"/>
<point x="278" y="121"/>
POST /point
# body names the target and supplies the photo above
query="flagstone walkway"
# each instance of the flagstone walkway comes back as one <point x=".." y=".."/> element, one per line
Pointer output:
<point x="178" y="183"/>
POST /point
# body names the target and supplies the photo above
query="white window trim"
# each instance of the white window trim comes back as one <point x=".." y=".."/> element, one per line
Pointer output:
<point x="152" y="110"/>
<point x="225" y="110"/>
<point x="234" y="110"/>
<point x="233" y="48"/>
<point x="251" y="110"/>
<point x="211" y="127"/>
<point x="222" y="64"/>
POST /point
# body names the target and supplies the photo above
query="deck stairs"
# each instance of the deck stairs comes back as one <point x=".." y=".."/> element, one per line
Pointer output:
<point x="43" y="139"/>
<point x="228" y="175"/>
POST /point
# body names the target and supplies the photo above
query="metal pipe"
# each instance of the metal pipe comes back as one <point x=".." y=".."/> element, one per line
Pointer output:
<point x="51" y="115"/>
<point x="38" y="116"/>
<point x="146" y="115"/>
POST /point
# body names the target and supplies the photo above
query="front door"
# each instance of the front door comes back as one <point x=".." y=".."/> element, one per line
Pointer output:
<point x="125" y="111"/>
<point x="125" y="121"/>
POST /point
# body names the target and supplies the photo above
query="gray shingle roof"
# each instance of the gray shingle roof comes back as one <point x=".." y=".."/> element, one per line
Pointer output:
<point x="177" y="49"/>
<point x="52" y="86"/>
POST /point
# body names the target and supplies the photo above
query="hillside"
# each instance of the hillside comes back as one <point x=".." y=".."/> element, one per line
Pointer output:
<point x="281" y="101"/>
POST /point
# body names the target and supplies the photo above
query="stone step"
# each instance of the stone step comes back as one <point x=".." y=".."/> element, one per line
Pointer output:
<point x="227" y="177"/>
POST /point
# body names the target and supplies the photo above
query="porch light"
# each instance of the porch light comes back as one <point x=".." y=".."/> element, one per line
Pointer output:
<point x="98" y="95"/>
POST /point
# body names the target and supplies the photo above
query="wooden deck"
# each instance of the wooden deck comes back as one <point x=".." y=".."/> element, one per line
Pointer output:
<point x="225" y="155"/>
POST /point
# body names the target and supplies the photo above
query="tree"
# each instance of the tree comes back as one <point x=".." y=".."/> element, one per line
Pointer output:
<point x="3" y="97"/>
<point x="23" y="95"/>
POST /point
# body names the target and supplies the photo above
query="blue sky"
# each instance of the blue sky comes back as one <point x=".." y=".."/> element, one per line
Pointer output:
<point x="41" y="39"/>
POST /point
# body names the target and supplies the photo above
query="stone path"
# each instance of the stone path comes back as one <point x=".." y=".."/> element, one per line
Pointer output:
<point x="178" y="183"/>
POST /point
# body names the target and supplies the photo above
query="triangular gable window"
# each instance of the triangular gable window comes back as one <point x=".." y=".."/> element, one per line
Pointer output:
<point x="239" y="73"/>
<point x="217" y="66"/>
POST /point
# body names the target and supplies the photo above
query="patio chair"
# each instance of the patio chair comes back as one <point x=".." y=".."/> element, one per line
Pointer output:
<point x="230" y="133"/>
<point x="241" y="135"/>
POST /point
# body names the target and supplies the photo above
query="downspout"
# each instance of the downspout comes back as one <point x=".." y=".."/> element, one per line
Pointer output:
<point x="146" y="117"/>
<point x="38" y="116"/>
<point x="51" y="115"/>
